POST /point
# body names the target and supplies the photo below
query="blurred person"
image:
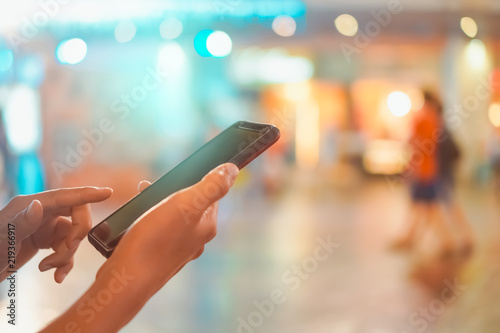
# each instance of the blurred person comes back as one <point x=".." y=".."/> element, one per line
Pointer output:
<point x="493" y="152"/>
<point x="448" y="156"/>
<point x="160" y="244"/>
<point x="423" y="173"/>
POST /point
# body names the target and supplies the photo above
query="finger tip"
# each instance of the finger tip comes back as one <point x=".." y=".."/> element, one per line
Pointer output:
<point x="100" y="189"/>
<point x="44" y="267"/>
<point x="107" y="190"/>
<point x="59" y="278"/>
<point x="232" y="169"/>
<point x="35" y="209"/>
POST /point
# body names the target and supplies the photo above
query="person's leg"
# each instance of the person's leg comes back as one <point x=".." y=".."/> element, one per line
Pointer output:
<point x="416" y="214"/>
<point x="458" y="217"/>
<point x="436" y="217"/>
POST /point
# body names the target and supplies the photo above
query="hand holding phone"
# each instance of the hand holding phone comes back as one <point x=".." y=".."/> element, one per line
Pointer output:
<point x="239" y="145"/>
<point x="162" y="241"/>
<point x="174" y="232"/>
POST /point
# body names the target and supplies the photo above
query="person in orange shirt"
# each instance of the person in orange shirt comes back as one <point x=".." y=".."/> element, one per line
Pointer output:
<point x="423" y="173"/>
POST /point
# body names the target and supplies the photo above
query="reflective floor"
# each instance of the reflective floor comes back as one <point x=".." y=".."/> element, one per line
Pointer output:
<point x="313" y="257"/>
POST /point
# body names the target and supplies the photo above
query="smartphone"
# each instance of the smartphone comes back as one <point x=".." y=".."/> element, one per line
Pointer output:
<point x="239" y="144"/>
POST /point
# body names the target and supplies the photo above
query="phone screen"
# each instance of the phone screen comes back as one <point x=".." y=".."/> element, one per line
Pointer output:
<point x="224" y="148"/>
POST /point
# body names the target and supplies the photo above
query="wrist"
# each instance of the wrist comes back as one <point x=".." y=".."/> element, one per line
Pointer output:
<point x="116" y="296"/>
<point x="150" y="273"/>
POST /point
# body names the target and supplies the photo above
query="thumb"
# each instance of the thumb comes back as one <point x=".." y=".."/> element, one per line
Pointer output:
<point x="212" y="187"/>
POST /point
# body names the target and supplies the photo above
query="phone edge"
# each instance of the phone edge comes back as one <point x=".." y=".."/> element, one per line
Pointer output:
<point x="106" y="252"/>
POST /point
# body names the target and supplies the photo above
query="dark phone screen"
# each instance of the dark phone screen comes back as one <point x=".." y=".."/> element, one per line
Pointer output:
<point x="221" y="149"/>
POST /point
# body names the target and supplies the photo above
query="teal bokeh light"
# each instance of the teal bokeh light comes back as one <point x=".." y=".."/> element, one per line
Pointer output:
<point x="31" y="71"/>
<point x="6" y="60"/>
<point x="200" y="43"/>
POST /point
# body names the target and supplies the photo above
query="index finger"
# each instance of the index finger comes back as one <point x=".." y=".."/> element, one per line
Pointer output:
<point x="65" y="198"/>
<point x="81" y="225"/>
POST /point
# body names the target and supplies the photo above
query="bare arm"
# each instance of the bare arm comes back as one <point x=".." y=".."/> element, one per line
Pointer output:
<point x="160" y="244"/>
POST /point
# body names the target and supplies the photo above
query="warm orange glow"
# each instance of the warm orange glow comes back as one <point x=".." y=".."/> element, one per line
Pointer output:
<point x="494" y="114"/>
<point x="297" y="91"/>
<point x="307" y="135"/>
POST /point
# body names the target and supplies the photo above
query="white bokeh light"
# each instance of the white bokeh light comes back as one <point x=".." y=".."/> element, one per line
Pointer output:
<point x="476" y="54"/>
<point x="171" y="58"/>
<point x="171" y="28"/>
<point x="399" y="103"/>
<point x="125" y="31"/>
<point x="284" y="26"/>
<point x="22" y="120"/>
<point x="219" y="44"/>
<point x="71" y="51"/>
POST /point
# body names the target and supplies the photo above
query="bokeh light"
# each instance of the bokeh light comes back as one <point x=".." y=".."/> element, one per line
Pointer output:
<point x="171" y="28"/>
<point x="284" y="26"/>
<point x="347" y="25"/>
<point x="71" y="51"/>
<point x="297" y="91"/>
<point x="171" y="58"/>
<point x="399" y="103"/>
<point x="6" y="59"/>
<point x="469" y="26"/>
<point x="219" y="44"/>
<point x="125" y="31"/>
<point x="476" y="53"/>
<point x="494" y="114"/>
<point x="255" y="65"/>
<point x="200" y="43"/>
<point x="22" y="120"/>
<point x="30" y="70"/>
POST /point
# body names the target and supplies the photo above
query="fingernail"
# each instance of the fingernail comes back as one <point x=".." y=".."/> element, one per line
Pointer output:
<point x="45" y="267"/>
<point x="99" y="188"/>
<point x="29" y="210"/>
<point x="232" y="170"/>
<point x="75" y="243"/>
<point x="31" y="204"/>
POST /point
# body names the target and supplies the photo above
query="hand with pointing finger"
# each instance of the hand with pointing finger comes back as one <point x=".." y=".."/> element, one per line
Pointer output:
<point x="57" y="219"/>
<point x="158" y="245"/>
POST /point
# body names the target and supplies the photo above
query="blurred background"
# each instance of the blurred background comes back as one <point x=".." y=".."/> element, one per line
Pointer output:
<point x="108" y="93"/>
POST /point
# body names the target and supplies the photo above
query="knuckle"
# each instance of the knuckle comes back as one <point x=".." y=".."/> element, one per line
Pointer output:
<point x="217" y="179"/>
<point x="210" y="233"/>
<point x="58" y="199"/>
<point x="199" y="253"/>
